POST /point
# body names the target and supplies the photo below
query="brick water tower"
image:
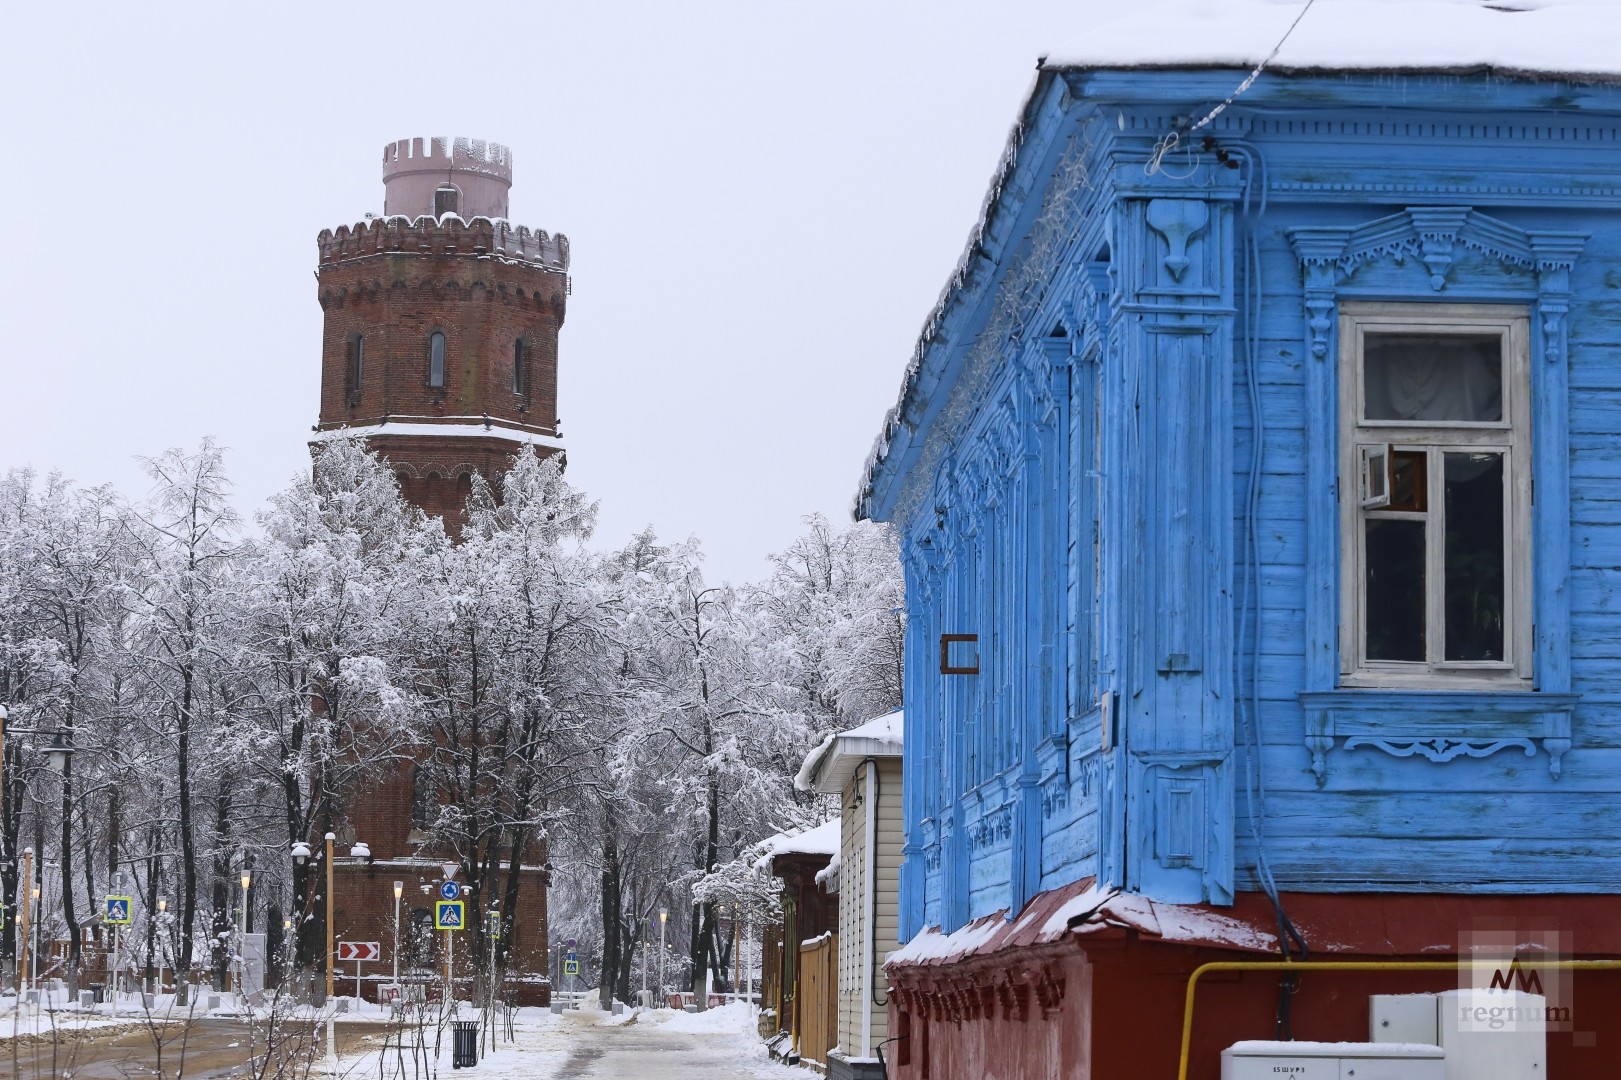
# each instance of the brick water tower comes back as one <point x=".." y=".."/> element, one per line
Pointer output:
<point x="439" y="347"/>
<point x="441" y="321"/>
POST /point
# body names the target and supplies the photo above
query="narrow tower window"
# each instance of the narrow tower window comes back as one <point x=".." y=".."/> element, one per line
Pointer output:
<point x="357" y="365"/>
<point x="436" y="359"/>
<point x="517" y="367"/>
<point x="446" y="200"/>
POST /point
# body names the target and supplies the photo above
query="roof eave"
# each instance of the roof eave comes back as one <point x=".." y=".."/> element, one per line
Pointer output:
<point x="839" y="764"/>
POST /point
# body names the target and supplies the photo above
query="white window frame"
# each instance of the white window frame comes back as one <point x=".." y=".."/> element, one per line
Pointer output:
<point x="1363" y="443"/>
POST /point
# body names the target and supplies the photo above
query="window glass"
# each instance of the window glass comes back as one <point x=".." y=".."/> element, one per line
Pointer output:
<point x="1474" y="556"/>
<point x="517" y="366"/>
<point x="436" y="359"/>
<point x="1433" y="377"/>
<point x="357" y="363"/>
<point x="1395" y="583"/>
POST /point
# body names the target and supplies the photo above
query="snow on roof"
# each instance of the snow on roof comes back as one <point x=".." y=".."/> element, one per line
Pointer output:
<point x="495" y="429"/>
<point x="1574" y="38"/>
<point x="839" y="752"/>
<point x="828" y="876"/>
<point x="821" y="839"/>
<point x="1091" y="910"/>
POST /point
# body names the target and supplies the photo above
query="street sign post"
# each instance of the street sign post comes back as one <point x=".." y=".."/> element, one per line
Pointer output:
<point x="118" y="912"/>
<point x="448" y="916"/>
<point x="359" y="951"/>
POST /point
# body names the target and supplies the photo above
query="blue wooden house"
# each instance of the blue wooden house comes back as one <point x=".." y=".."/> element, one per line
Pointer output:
<point x="1259" y="482"/>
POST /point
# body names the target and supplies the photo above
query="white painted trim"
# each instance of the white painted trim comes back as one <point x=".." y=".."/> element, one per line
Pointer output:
<point x="869" y="904"/>
<point x="1511" y="436"/>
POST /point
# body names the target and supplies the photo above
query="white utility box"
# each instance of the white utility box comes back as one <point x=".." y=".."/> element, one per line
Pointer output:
<point x="1502" y="1034"/>
<point x="1403" y="1018"/>
<point x="1332" y="1061"/>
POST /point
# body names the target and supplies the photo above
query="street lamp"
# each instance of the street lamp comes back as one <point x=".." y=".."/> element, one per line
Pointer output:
<point x="399" y="889"/>
<point x="242" y="929"/>
<point x="27" y="918"/>
<point x="330" y="952"/>
<point x="163" y="950"/>
<point x="664" y="915"/>
<point x="36" y="920"/>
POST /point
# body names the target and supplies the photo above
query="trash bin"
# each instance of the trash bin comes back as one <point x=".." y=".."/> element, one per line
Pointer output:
<point x="464" y="1053"/>
<point x="100" y="990"/>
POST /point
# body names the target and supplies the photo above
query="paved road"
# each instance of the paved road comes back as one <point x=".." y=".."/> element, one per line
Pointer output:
<point x="212" y="1048"/>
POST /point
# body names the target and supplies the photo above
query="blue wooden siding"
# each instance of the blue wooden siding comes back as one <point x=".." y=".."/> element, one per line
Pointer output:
<point x="1074" y="483"/>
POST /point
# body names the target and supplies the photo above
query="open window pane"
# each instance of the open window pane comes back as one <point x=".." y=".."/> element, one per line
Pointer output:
<point x="1433" y="377"/>
<point x="1475" y="584"/>
<point x="1395" y="584"/>
<point x="1409" y="481"/>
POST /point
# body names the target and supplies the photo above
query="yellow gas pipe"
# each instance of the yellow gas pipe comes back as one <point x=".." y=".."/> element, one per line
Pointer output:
<point x="1347" y="965"/>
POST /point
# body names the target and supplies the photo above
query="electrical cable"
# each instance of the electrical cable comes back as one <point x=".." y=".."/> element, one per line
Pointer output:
<point x="1254" y="780"/>
<point x="1173" y="139"/>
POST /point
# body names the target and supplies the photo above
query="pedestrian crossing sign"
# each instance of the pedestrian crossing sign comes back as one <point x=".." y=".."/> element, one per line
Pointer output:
<point x="447" y="915"/>
<point x="571" y="967"/>
<point x="118" y="911"/>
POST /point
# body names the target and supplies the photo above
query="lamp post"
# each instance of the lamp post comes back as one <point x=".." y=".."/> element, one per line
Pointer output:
<point x="664" y="915"/>
<point x="36" y="921"/>
<point x="27" y="889"/>
<point x="399" y="888"/>
<point x="163" y="944"/>
<point x="242" y="929"/>
<point x="301" y="855"/>
<point x="330" y="951"/>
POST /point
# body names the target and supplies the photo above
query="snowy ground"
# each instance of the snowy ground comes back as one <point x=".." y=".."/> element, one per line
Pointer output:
<point x="585" y="1044"/>
<point x="637" y="1045"/>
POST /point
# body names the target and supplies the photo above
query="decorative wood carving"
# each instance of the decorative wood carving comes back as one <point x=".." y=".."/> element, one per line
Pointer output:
<point x="1438" y="726"/>
<point x="1178" y="221"/>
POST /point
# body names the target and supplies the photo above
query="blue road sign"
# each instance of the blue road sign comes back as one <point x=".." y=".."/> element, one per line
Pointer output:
<point x="450" y="890"/>
<point x="118" y="911"/>
<point x="447" y="915"/>
<point x="571" y="967"/>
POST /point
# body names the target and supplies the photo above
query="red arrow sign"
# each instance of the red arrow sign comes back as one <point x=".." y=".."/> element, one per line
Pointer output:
<point x="359" y="950"/>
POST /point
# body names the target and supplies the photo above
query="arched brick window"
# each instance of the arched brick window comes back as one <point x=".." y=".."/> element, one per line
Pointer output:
<point x="357" y="366"/>
<point x="436" y="358"/>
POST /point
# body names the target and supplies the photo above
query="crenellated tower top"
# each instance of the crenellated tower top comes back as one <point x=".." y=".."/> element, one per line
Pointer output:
<point x="437" y="176"/>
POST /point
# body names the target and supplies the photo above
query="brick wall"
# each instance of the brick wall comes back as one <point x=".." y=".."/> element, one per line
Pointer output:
<point x="394" y="302"/>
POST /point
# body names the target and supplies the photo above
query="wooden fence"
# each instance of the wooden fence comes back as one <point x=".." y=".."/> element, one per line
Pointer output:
<point x="818" y="997"/>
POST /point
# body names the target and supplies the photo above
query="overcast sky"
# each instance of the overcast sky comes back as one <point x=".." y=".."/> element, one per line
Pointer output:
<point x="763" y="202"/>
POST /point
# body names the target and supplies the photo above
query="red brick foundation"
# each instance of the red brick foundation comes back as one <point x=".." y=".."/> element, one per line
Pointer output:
<point x="1110" y="1003"/>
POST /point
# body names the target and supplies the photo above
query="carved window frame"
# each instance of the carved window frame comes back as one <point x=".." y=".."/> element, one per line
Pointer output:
<point x="1510" y="437"/>
<point x="1532" y="269"/>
